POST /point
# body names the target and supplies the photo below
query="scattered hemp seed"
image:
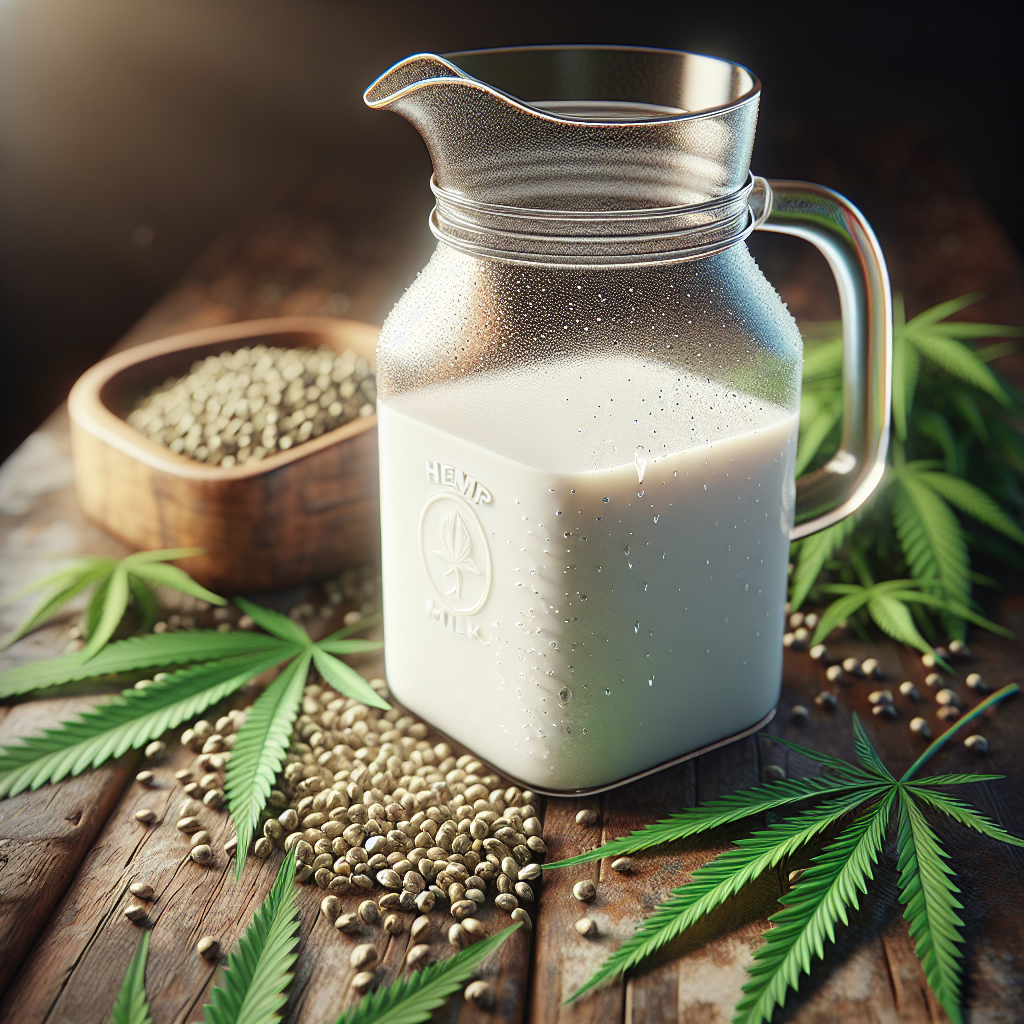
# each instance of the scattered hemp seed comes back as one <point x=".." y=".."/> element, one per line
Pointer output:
<point x="825" y="699"/>
<point x="363" y="981"/>
<point x="819" y="652"/>
<point x="928" y="660"/>
<point x="959" y="649"/>
<point x="885" y="711"/>
<point x="530" y="873"/>
<point x="263" y="848"/>
<point x="787" y="639"/>
<point x="330" y="907"/>
<point x="909" y="690"/>
<point x="976" y="743"/>
<point x="774" y="773"/>
<point x="362" y="956"/>
<point x="947" y="696"/>
<point x="948" y="713"/>
<point x="369" y="912"/>
<point x="834" y="673"/>
<point x="920" y="727"/>
<point x="932" y="680"/>
<point x="799" y="713"/>
<point x="473" y="930"/>
<point x="199" y="838"/>
<point x="586" y="817"/>
<point x="880" y="697"/>
<point x="146" y="816"/>
<point x="801" y="637"/>
<point x="146" y="778"/>
<point x="479" y="993"/>
<point x="624" y="865"/>
<point x="421" y="929"/>
<point x="348" y="924"/>
<point x="231" y="846"/>
<point x="796" y="620"/>
<point x="519" y="915"/>
<point x="188" y="824"/>
<point x="810" y="620"/>
<point x="202" y="855"/>
<point x="183" y="775"/>
<point x="142" y="891"/>
<point x="587" y="927"/>
<point x="155" y="749"/>
<point x="457" y="938"/>
<point x="869" y="666"/>
<point x="506" y="901"/>
<point x="975" y="682"/>
<point x="393" y="924"/>
<point x="584" y="891"/>
<point x="135" y="912"/>
<point x="418" y="956"/>
<point x="208" y="948"/>
<point x="241" y="406"/>
<point x="852" y="666"/>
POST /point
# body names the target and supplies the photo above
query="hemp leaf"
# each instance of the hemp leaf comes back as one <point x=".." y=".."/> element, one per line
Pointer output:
<point x="253" y="986"/>
<point x="414" y="998"/>
<point x="826" y="891"/>
<point x="952" y="490"/>
<point x="116" y="583"/>
<point x="225" y="662"/>
<point x="458" y="546"/>
<point x="130" y="1006"/>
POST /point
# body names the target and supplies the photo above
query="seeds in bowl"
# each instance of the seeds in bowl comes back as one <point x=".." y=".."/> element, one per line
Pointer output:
<point x="242" y="406"/>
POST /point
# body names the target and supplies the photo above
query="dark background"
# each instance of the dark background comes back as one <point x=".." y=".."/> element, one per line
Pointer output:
<point x="132" y="132"/>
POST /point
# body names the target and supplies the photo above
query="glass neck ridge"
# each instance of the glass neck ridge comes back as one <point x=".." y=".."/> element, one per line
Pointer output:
<point x="598" y="237"/>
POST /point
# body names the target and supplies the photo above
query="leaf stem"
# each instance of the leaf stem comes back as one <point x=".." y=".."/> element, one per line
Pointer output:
<point x="938" y="744"/>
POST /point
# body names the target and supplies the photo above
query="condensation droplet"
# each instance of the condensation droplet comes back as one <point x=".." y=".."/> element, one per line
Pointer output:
<point x="565" y="694"/>
<point x="636" y="626"/>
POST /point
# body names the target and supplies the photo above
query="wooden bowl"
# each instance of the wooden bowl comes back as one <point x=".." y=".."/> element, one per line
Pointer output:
<point x="296" y="516"/>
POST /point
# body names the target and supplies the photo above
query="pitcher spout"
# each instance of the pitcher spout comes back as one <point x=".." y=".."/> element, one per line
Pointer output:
<point x="578" y="128"/>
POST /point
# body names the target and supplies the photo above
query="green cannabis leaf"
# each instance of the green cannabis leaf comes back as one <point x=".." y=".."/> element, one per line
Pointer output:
<point x="253" y="986"/>
<point x="827" y="890"/>
<point x="954" y="487"/>
<point x="130" y="1006"/>
<point x="225" y="663"/>
<point x="116" y="584"/>
<point x="413" y="999"/>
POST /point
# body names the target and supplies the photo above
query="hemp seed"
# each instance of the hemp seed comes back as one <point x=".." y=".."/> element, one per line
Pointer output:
<point x="146" y="816"/>
<point x="852" y="666"/>
<point x="586" y="817"/>
<point x="825" y="699"/>
<point x="202" y="855"/>
<point x="362" y="956"/>
<point x="909" y="690"/>
<point x="975" y="682"/>
<point x="530" y="873"/>
<point x="473" y="929"/>
<point x="624" y="865"/>
<point x="262" y="848"/>
<point x="932" y="680"/>
<point x="208" y="947"/>
<point x="188" y="825"/>
<point x="418" y="956"/>
<point x="231" y="846"/>
<point x="146" y="778"/>
<point x="947" y="696"/>
<point x="457" y="938"/>
<point x="869" y="667"/>
<point x="142" y="891"/>
<point x="587" y="927"/>
<point x="199" y="839"/>
<point x="520" y="916"/>
<point x="976" y="743"/>
<point x="364" y="980"/>
<point x="155" y="749"/>
<point x="393" y="924"/>
<point x="799" y="713"/>
<point x="506" y="901"/>
<point x="834" y="673"/>
<point x="920" y="727"/>
<point x="369" y="912"/>
<point x="479" y="993"/>
<point x="584" y="891"/>
<point x="135" y="912"/>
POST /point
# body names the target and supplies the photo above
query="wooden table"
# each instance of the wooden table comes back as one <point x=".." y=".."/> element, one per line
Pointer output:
<point x="69" y="851"/>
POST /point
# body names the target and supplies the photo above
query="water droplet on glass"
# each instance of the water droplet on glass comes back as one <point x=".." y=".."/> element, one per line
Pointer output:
<point x="565" y="694"/>
<point x="607" y="692"/>
<point x="657" y="517"/>
<point x="746" y="586"/>
<point x="650" y="682"/>
<point x="626" y="550"/>
<point x="567" y="535"/>
<point x="583" y="597"/>
<point x="641" y="465"/>
<point x="607" y="499"/>
<point x="636" y="626"/>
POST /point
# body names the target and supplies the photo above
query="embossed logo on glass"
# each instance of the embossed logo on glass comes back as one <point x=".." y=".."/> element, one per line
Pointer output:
<point x="455" y="553"/>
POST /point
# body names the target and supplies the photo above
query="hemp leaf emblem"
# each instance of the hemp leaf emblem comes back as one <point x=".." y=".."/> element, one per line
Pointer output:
<point x="458" y="547"/>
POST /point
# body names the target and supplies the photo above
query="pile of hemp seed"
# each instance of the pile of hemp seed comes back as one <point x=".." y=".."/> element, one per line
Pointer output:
<point x="242" y="406"/>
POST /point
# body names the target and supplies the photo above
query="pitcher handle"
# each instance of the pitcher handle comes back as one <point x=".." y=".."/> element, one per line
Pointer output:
<point x="839" y="231"/>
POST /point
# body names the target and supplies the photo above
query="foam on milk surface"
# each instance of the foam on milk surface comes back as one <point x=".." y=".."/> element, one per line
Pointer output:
<point x="580" y="554"/>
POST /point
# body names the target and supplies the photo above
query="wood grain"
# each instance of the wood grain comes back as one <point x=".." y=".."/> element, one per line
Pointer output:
<point x="45" y="835"/>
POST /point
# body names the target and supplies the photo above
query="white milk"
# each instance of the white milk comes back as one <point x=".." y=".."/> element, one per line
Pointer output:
<point x="592" y="586"/>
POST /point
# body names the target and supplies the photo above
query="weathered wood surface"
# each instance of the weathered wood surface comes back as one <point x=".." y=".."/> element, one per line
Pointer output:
<point x="68" y="852"/>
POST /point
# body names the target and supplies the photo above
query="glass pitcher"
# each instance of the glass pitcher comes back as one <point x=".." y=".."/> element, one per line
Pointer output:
<point x="588" y="407"/>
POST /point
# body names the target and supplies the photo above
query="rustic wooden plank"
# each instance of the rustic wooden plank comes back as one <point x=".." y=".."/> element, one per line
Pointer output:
<point x="44" y="835"/>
